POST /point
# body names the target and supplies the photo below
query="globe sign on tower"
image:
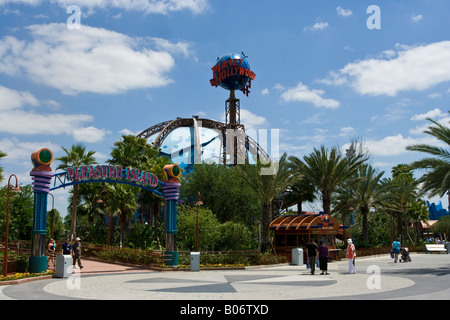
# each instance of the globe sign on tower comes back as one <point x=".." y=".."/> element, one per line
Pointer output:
<point x="232" y="72"/>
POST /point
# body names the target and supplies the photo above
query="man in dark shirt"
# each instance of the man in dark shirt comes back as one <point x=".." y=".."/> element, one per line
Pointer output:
<point x="66" y="247"/>
<point x="312" y="251"/>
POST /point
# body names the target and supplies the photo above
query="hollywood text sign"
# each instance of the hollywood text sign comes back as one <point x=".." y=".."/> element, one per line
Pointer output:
<point x="228" y="68"/>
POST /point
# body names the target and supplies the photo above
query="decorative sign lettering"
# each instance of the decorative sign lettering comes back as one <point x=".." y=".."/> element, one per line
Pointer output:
<point x="107" y="172"/>
<point x="228" y="68"/>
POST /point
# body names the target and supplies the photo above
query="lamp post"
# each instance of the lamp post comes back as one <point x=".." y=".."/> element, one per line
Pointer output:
<point x="197" y="204"/>
<point x="15" y="189"/>
<point x="109" y="214"/>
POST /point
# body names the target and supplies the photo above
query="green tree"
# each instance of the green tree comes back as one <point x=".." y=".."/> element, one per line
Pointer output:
<point x="436" y="179"/>
<point x="208" y="226"/>
<point x="93" y="214"/>
<point x="2" y="154"/>
<point x="135" y="152"/>
<point x="75" y="157"/>
<point x="124" y="204"/>
<point x="417" y="211"/>
<point x="58" y="227"/>
<point x="20" y="213"/>
<point x="235" y="236"/>
<point x="397" y="194"/>
<point x="267" y="181"/>
<point x="364" y="195"/>
<point x="300" y="189"/>
<point x="223" y="191"/>
<point x="442" y="226"/>
<point x="327" y="169"/>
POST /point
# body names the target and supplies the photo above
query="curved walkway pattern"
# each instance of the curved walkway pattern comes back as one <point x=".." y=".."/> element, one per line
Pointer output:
<point x="426" y="277"/>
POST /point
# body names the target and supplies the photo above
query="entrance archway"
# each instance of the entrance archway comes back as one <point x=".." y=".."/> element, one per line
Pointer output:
<point x="45" y="181"/>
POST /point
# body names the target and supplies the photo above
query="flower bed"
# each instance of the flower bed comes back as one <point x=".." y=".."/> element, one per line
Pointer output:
<point x="13" y="278"/>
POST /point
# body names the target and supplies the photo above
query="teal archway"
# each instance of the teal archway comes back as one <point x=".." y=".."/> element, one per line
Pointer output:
<point x="45" y="181"/>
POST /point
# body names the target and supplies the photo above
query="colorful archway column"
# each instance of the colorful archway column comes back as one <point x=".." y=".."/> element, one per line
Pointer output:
<point x="42" y="175"/>
<point x="171" y="193"/>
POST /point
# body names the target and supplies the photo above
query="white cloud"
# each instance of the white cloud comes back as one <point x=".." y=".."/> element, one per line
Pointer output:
<point x="434" y="95"/>
<point x="346" y="131"/>
<point x="395" y="145"/>
<point x="280" y="87"/>
<point x="344" y="12"/>
<point x="86" y="60"/>
<point x="317" y="118"/>
<point x="302" y="93"/>
<point x="433" y="114"/>
<point x="265" y="91"/>
<point x="34" y="123"/>
<point x="89" y="134"/>
<point x="333" y="79"/>
<point x="18" y="150"/>
<point x="414" y="68"/>
<point x="317" y="26"/>
<point x="416" y="18"/>
<point x="12" y="99"/>
<point x="16" y="118"/>
<point x="127" y="132"/>
<point x="146" y="6"/>
<point x="251" y="120"/>
<point x="29" y="2"/>
<point x="180" y="47"/>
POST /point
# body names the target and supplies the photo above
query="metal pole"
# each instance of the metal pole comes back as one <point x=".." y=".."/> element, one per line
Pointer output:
<point x="196" y="234"/>
<point x="197" y="204"/>
<point x="5" y="255"/>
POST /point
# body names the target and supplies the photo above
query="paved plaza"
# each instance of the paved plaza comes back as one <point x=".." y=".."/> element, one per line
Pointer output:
<point x="426" y="277"/>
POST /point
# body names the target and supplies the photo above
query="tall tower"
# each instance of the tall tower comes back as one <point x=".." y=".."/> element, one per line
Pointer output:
<point x="232" y="72"/>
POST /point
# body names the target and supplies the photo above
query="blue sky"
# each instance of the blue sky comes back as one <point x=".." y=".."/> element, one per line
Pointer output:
<point x="323" y="77"/>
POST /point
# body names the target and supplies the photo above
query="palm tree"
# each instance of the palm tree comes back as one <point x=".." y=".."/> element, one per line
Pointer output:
<point x="124" y="204"/>
<point x="75" y="157"/>
<point x="397" y="194"/>
<point x="302" y="189"/>
<point x="267" y="187"/>
<point x="436" y="180"/>
<point x="135" y="152"/>
<point x="327" y="170"/>
<point x="417" y="211"/>
<point x="364" y="194"/>
<point x="2" y="154"/>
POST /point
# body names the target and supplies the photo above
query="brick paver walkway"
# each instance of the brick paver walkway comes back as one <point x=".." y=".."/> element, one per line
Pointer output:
<point x="96" y="267"/>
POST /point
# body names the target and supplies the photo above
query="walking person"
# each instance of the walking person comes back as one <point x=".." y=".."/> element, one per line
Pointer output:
<point x="396" y="249"/>
<point x="66" y="247"/>
<point x="351" y="253"/>
<point x="76" y="253"/>
<point x="323" y="257"/>
<point x="312" y="251"/>
<point x="51" y="247"/>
